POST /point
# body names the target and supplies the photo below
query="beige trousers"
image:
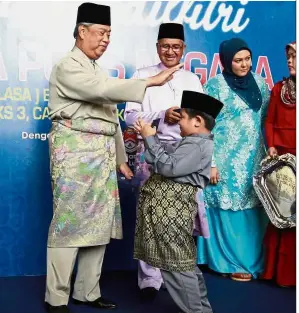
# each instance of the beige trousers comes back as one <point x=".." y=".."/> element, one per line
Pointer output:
<point x="60" y="265"/>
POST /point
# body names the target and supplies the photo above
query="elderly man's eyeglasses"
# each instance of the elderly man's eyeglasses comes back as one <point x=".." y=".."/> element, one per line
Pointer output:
<point x="175" y="48"/>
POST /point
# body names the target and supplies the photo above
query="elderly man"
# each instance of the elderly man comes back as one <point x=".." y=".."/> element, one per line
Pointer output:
<point x="86" y="147"/>
<point x="161" y="103"/>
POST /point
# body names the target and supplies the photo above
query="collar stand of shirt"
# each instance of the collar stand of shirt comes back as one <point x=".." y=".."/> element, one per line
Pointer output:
<point x="176" y="91"/>
<point x="163" y="67"/>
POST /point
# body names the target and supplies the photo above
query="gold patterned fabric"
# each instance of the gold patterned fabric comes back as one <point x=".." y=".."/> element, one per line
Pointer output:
<point x="86" y="207"/>
<point x="165" y="217"/>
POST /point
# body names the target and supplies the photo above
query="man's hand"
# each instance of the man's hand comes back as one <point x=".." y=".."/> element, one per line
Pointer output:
<point x="126" y="171"/>
<point x="145" y="130"/>
<point x="214" y="177"/>
<point x="163" y="77"/>
<point x="272" y="152"/>
<point x="172" y="117"/>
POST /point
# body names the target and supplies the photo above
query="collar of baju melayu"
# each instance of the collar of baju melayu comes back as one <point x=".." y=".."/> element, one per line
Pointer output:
<point x="93" y="62"/>
<point x="80" y="53"/>
<point x="162" y="67"/>
<point x="204" y="136"/>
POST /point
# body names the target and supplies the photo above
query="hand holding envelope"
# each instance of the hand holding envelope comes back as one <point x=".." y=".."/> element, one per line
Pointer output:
<point x="144" y="129"/>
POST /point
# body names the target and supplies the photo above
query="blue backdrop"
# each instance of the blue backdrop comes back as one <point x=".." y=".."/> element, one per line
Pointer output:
<point x="34" y="36"/>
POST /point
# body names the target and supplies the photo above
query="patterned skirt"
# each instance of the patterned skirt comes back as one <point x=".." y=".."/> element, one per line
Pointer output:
<point x="86" y="207"/>
<point x="165" y="220"/>
<point x="143" y="172"/>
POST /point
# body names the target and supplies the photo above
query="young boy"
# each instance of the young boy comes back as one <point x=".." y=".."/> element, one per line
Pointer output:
<point x="167" y="202"/>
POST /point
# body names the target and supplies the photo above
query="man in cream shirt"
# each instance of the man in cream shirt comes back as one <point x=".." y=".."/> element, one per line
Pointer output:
<point x="86" y="147"/>
<point x="160" y="102"/>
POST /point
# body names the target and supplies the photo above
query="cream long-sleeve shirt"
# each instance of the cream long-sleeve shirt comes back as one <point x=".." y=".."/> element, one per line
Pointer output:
<point x="80" y="89"/>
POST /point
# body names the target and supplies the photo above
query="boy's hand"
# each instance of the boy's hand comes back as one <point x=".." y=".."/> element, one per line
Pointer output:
<point x="214" y="177"/>
<point x="145" y="130"/>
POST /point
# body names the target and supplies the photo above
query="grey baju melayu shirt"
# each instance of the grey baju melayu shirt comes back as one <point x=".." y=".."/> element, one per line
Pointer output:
<point x="187" y="161"/>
